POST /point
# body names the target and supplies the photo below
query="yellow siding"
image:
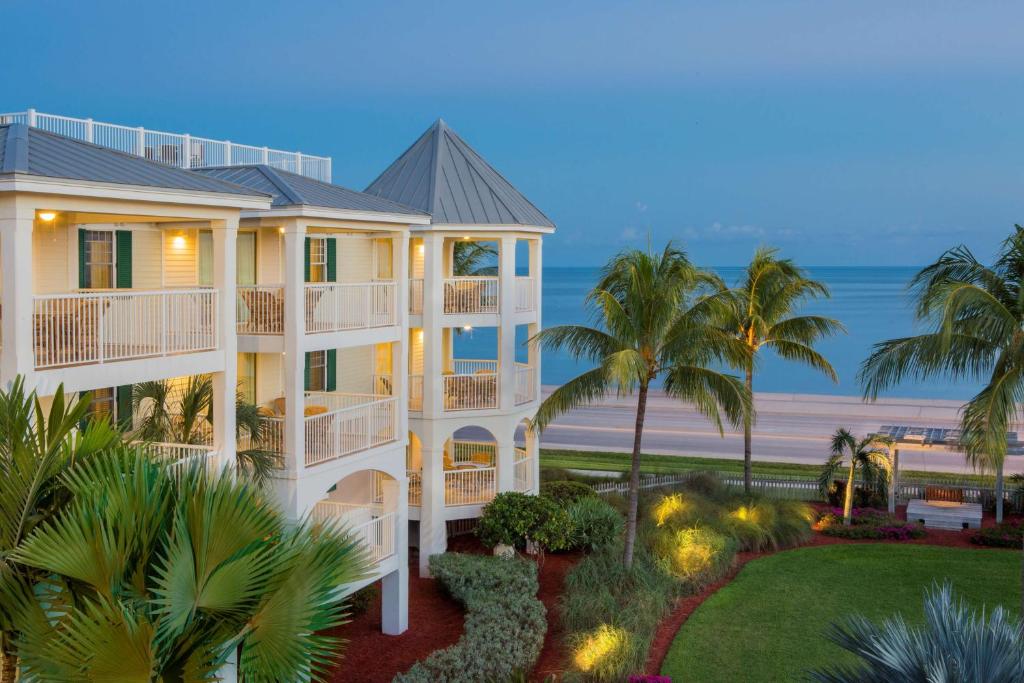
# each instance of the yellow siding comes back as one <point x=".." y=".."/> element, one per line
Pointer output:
<point x="416" y="260"/>
<point x="180" y="257"/>
<point x="269" y="378"/>
<point x="416" y="351"/>
<point x="355" y="260"/>
<point x="269" y="249"/>
<point x="50" y="267"/>
<point x="146" y="259"/>
<point x="355" y="368"/>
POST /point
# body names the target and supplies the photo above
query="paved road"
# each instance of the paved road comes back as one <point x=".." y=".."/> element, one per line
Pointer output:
<point x="790" y="428"/>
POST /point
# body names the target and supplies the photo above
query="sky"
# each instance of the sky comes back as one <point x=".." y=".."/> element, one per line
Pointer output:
<point x="845" y="133"/>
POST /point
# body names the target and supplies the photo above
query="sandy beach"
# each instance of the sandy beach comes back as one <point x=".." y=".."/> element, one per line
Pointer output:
<point x="790" y="428"/>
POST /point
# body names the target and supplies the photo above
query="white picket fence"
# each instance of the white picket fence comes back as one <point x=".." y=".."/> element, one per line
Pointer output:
<point x="99" y="327"/>
<point x="174" y="149"/>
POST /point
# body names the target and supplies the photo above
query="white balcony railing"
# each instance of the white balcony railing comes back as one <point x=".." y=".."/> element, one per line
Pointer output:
<point x="470" y="486"/>
<point x="335" y="307"/>
<point x="415" y="486"/>
<point x="349" y="424"/>
<point x="526" y="294"/>
<point x="472" y="386"/>
<point x="526" y="383"/>
<point x="471" y="295"/>
<point x="415" y="392"/>
<point x="181" y="456"/>
<point x="260" y="309"/>
<point x="416" y="296"/>
<point x="523" y="471"/>
<point x="100" y="327"/>
<point x="367" y="524"/>
<point x="173" y="149"/>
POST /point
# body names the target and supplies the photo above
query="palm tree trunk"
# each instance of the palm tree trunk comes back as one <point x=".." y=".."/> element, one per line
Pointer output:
<point x="999" y="492"/>
<point x="9" y="666"/>
<point x="848" y="499"/>
<point x="894" y="480"/>
<point x="634" y="478"/>
<point x="748" y="474"/>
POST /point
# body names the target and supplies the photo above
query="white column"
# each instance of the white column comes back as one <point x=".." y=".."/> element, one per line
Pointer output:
<point x="400" y="350"/>
<point x="433" y="533"/>
<point x="395" y="586"/>
<point x="294" y="344"/>
<point x="16" y="223"/>
<point x="433" y="303"/>
<point x="536" y="272"/>
<point x="533" y="450"/>
<point x="506" y="459"/>
<point x="507" y="321"/>
<point x="225" y="383"/>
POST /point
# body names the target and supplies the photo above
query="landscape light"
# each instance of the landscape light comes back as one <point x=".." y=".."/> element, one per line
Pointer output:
<point x="598" y="646"/>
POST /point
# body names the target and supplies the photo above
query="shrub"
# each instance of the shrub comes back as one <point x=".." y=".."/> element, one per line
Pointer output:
<point x="599" y="653"/>
<point x="698" y="556"/>
<point x="513" y="518"/>
<point x="862" y="497"/>
<point x="705" y="484"/>
<point x="361" y="600"/>
<point x="566" y="492"/>
<point x="504" y="627"/>
<point x="869" y="524"/>
<point x="594" y="523"/>
<point x="1005" y="535"/>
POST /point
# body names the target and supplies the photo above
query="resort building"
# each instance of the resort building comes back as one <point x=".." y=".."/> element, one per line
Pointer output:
<point x="160" y="259"/>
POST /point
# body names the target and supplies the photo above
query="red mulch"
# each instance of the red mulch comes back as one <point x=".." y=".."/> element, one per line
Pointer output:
<point x="553" y="657"/>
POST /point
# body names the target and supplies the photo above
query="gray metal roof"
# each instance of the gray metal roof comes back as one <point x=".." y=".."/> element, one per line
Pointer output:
<point x="291" y="189"/>
<point x="38" y="152"/>
<point x="445" y="177"/>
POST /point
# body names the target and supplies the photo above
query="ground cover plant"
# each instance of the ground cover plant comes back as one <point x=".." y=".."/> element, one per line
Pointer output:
<point x="505" y="622"/>
<point x="869" y="523"/>
<point x="1005" y="535"/>
<point x="774" y="615"/>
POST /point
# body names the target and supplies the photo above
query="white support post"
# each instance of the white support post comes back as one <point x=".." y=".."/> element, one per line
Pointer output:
<point x="186" y="151"/>
<point x="17" y="219"/>
<point x="227" y="152"/>
<point x="400" y="350"/>
<point x="266" y="156"/>
<point x="32" y="118"/>
<point x="433" y="310"/>
<point x="395" y="586"/>
<point x="507" y="322"/>
<point x="225" y="383"/>
<point x="294" y="347"/>
<point x="89" y="132"/>
<point x="140" y="141"/>
<point x="433" y="532"/>
<point x="507" y="460"/>
<point x="298" y="163"/>
<point x="536" y="272"/>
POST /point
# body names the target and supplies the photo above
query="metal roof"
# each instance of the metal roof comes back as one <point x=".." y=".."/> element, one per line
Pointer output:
<point x="291" y="189"/>
<point x="38" y="152"/>
<point x="445" y="177"/>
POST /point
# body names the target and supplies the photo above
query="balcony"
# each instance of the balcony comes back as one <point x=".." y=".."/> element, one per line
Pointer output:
<point x="368" y="524"/>
<point x="526" y="295"/>
<point x="173" y="149"/>
<point x="523" y="471"/>
<point x="472" y="385"/>
<point x="470" y="475"/>
<point x="102" y="327"/>
<point x="526" y="383"/>
<point x="329" y="307"/>
<point x="181" y="456"/>
<point x="471" y="295"/>
<point x="338" y="425"/>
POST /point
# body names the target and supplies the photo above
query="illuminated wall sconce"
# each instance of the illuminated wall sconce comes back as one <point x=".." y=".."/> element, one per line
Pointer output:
<point x="179" y="242"/>
<point x="47" y="216"/>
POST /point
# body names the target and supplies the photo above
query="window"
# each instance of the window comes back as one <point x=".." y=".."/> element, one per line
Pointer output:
<point x="246" y="263"/>
<point x="247" y="377"/>
<point x="103" y="404"/>
<point x="204" y="264"/>
<point x="99" y="260"/>
<point x="317" y="375"/>
<point x="317" y="260"/>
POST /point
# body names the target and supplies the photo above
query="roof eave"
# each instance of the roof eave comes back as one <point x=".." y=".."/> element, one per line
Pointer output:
<point x="478" y="227"/>
<point x="323" y="212"/>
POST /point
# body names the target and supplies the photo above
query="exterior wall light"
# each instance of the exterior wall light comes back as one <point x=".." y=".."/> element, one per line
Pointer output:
<point x="47" y="216"/>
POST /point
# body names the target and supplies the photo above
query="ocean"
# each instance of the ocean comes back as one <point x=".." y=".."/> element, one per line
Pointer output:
<point x="872" y="303"/>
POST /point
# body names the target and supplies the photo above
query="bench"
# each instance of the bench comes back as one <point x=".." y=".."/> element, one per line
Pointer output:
<point x="945" y="514"/>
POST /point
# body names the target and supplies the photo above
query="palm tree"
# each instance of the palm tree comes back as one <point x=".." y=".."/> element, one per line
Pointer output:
<point x="976" y="318"/>
<point x="761" y="316"/>
<point x="955" y="644"/>
<point x="185" y="416"/>
<point x="653" y="322"/>
<point x="37" y="447"/>
<point x="870" y="454"/>
<point x="156" y="575"/>
<point x="473" y="258"/>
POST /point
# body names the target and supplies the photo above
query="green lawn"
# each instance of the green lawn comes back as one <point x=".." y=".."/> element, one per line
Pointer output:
<point x="771" y="618"/>
<point x="668" y="464"/>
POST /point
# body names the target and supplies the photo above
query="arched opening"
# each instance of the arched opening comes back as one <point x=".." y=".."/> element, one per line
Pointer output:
<point x="525" y="452"/>
<point x="366" y="504"/>
<point x="470" y="460"/>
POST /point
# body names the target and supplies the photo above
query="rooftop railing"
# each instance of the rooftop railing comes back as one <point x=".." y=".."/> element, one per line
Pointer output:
<point x="174" y="149"/>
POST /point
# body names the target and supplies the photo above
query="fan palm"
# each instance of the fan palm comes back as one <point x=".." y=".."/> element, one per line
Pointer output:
<point x="154" y="574"/>
<point x="976" y="318"/>
<point x="37" y="447"/>
<point x="473" y="258"/>
<point x="167" y="413"/>
<point x="870" y="455"/>
<point x="653" y="323"/>
<point x="955" y="645"/>
<point x="761" y="316"/>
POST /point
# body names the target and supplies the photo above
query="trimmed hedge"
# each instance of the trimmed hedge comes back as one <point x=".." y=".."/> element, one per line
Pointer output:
<point x="1005" y="535"/>
<point x="566" y="492"/>
<point x="505" y="622"/>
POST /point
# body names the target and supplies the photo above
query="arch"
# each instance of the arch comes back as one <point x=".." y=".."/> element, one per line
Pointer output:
<point x="526" y="454"/>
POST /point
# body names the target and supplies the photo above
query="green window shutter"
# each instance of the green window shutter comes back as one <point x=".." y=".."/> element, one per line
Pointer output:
<point x="332" y="260"/>
<point x="124" y="406"/>
<point x="81" y="258"/>
<point x="306" y="372"/>
<point x="123" y="256"/>
<point x="332" y="369"/>
<point x="308" y="247"/>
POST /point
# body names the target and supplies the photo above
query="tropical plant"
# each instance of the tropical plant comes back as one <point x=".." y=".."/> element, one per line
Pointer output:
<point x="976" y="318"/>
<point x="470" y="258"/>
<point x="870" y="455"/>
<point x="514" y="518"/>
<point x="37" y="447"/>
<point x="157" y="574"/>
<point x="956" y="644"/>
<point x="761" y="315"/>
<point x="594" y="523"/>
<point x="168" y="412"/>
<point x="654" y="321"/>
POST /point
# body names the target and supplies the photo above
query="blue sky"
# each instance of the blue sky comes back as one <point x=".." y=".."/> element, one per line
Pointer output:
<point x="845" y="133"/>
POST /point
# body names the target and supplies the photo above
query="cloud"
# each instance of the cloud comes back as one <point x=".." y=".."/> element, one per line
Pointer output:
<point x="724" y="232"/>
<point x="629" y="234"/>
